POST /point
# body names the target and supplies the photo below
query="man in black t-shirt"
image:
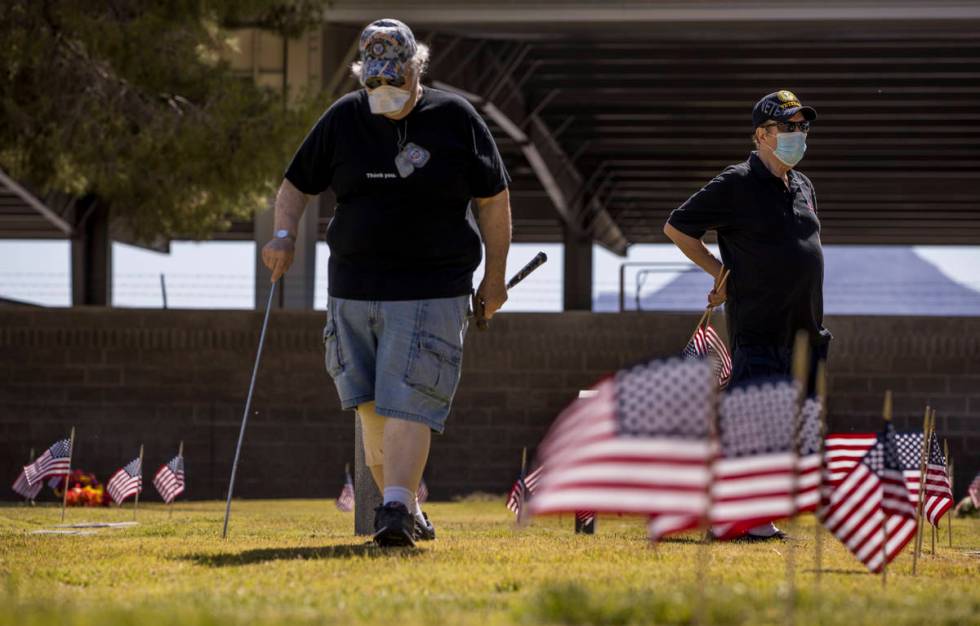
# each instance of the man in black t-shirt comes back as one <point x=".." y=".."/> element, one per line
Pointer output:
<point x="404" y="161"/>
<point x="765" y="215"/>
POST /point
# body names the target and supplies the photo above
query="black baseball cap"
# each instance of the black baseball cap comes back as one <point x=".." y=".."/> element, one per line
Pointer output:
<point x="780" y="106"/>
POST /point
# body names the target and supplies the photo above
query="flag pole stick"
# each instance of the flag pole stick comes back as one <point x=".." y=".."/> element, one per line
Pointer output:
<point x="30" y="501"/>
<point x="817" y="526"/>
<point x="801" y="375"/>
<point x="248" y="407"/>
<point x="521" y="512"/>
<point x="701" y="575"/>
<point x="71" y="449"/>
<point x="136" y="502"/>
<point x="918" y="507"/>
<point x="949" y="474"/>
<point x="180" y="454"/>
<point x="887" y="414"/>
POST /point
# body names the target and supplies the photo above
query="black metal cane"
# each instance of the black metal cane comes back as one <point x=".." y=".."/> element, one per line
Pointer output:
<point x="248" y="407"/>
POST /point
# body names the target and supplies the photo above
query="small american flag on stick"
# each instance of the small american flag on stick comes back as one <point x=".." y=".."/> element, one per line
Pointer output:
<point x="937" y="496"/>
<point x="870" y="506"/>
<point x="640" y="445"/>
<point x="345" y="501"/>
<point x="755" y="477"/>
<point x="169" y="479"/>
<point x="126" y="482"/>
<point x="56" y="461"/>
<point x="704" y="343"/>
<point x="522" y="490"/>
<point x="974" y="491"/>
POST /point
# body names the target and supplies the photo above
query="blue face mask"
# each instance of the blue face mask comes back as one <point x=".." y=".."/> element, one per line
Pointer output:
<point x="790" y="147"/>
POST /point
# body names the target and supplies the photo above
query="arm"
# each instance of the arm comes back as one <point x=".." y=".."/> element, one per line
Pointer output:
<point x="698" y="253"/>
<point x="278" y="253"/>
<point x="495" y="227"/>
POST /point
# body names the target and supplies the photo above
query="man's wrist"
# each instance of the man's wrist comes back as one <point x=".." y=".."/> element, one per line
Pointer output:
<point x="284" y="233"/>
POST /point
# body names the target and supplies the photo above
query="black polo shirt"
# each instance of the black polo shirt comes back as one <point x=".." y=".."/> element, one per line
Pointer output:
<point x="397" y="233"/>
<point x="769" y="238"/>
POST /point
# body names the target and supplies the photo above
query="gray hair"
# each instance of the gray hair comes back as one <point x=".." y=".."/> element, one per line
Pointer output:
<point x="418" y="63"/>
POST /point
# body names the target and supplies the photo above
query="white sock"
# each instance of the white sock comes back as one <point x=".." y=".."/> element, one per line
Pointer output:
<point x="401" y="495"/>
<point x="764" y="530"/>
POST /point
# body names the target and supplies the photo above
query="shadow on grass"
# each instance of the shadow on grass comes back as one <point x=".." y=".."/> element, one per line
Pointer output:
<point x="842" y="572"/>
<point x="305" y="553"/>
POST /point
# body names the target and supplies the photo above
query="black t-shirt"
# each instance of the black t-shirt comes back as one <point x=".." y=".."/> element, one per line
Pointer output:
<point x="396" y="237"/>
<point x="769" y="238"/>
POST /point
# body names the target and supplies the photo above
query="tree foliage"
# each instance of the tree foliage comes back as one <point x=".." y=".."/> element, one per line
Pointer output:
<point x="129" y="101"/>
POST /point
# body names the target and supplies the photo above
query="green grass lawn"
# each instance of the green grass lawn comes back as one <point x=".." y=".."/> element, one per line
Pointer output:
<point x="297" y="562"/>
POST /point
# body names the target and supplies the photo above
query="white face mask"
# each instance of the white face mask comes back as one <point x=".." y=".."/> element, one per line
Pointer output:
<point x="387" y="99"/>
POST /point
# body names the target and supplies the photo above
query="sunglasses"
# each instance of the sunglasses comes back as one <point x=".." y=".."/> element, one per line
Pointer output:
<point x="377" y="81"/>
<point x="790" y="127"/>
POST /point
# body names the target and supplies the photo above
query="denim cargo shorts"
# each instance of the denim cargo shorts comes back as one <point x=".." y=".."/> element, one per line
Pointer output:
<point x="405" y="355"/>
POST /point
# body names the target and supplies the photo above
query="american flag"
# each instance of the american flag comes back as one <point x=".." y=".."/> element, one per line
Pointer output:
<point x="842" y="451"/>
<point x="55" y="461"/>
<point x="584" y="517"/>
<point x="345" y="501"/>
<point x="809" y="474"/>
<point x="422" y="493"/>
<point x="871" y="504"/>
<point x="705" y="342"/>
<point x="127" y="481"/>
<point x="937" y="497"/>
<point x="974" y="491"/>
<point x="640" y="445"/>
<point x="754" y="479"/>
<point x="522" y="490"/>
<point x="24" y="488"/>
<point x="169" y="479"/>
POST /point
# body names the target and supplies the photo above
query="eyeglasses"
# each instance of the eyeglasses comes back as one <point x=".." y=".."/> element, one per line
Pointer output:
<point x="790" y="127"/>
<point x="377" y="81"/>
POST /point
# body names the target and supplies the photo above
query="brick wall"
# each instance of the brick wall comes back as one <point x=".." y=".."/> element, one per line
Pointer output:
<point x="125" y="377"/>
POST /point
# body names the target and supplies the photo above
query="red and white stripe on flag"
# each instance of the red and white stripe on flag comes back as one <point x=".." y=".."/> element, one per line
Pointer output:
<point x="522" y="490"/>
<point x="937" y="495"/>
<point x="707" y="342"/>
<point x="126" y="482"/>
<point x="843" y="451"/>
<point x="169" y="479"/>
<point x="639" y="445"/>
<point x="54" y="461"/>
<point x="755" y="478"/>
<point x="869" y="510"/>
<point x="24" y="488"/>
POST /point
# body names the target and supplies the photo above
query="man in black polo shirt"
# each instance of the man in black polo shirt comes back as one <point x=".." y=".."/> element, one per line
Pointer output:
<point x="765" y="215"/>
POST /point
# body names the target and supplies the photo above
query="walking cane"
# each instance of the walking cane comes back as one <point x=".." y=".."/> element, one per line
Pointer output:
<point x="248" y="407"/>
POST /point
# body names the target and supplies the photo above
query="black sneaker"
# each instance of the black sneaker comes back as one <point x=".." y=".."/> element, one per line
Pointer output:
<point x="749" y="538"/>
<point x="394" y="525"/>
<point x="424" y="530"/>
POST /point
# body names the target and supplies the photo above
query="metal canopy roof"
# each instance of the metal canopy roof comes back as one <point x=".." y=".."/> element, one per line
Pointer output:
<point x="648" y="101"/>
<point x="611" y="115"/>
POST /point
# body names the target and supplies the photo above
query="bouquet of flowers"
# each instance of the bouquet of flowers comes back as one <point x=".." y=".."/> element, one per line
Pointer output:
<point x="84" y="489"/>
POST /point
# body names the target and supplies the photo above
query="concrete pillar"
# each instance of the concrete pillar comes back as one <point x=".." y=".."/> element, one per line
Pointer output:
<point x="297" y="287"/>
<point x="366" y="494"/>
<point x="91" y="256"/>
<point x="578" y="272"/>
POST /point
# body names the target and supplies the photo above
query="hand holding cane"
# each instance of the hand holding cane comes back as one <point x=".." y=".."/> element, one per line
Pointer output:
<point x="479" y="304"/>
